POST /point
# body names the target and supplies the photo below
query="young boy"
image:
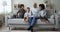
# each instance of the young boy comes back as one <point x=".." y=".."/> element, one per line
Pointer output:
<point x="27" y="14"/>
<point x="21" y="12"/>
<point x="42" y="12"/>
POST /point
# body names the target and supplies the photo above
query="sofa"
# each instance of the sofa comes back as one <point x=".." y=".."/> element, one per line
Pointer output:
<point x="18" y="22"/>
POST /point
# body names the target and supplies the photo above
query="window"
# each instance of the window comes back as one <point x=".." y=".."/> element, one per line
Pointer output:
<point x="5" y="6"/>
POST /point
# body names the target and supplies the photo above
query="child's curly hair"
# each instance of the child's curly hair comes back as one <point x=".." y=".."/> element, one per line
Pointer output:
<point x="20" y="5"/>
<point x="42" y="5"/>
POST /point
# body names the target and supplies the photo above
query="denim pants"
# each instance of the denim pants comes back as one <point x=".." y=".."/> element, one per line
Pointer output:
<point x="32" y="21"/>
<point x="21" y="16"/>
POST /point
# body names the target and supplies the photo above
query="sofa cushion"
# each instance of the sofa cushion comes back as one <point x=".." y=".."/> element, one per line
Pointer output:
<point x="21" y="21"/>
<point x="49" y="13"/>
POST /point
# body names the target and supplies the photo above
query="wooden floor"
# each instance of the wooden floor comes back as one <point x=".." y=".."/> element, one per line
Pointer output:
<point x="4" y="28"/>
<point x="29" y="31"/>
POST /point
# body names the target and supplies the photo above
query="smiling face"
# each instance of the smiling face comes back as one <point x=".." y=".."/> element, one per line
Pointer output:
<point x="21" y="6"/>
<point x="35" y="5"/>
<point x="41" y="6"/>
<point x="28" y="9"/>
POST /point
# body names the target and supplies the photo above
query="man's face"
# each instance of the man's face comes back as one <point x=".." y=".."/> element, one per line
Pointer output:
<point x="35" y="5"/>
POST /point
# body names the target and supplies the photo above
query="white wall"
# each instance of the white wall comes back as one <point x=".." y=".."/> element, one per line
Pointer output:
<point x="27" y="3"/>
<point x="56" y="4"/>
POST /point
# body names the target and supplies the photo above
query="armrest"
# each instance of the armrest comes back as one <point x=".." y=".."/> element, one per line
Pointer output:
<point x="6" y="20"/>
<point x="52" y="17"/>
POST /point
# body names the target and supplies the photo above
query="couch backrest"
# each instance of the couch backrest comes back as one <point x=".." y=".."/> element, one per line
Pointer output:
<point x="50" y="13"/>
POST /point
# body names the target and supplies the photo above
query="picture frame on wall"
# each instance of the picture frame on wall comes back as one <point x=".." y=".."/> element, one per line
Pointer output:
<point x="15" y="6"/>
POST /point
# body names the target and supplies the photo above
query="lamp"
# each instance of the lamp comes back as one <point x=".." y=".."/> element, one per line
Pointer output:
<point x="4" y="4"/>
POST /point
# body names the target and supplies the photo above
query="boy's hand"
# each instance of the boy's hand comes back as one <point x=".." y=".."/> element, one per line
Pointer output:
<point x="26" y="19"/>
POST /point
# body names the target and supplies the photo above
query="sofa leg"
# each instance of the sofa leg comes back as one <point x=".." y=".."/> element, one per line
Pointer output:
<point x="9" y="28"/>
<point x="54" y="29"/>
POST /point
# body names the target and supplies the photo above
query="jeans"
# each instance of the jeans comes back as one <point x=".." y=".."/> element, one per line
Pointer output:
<point x="32" y="21"/>
<point x="21" y="16"/>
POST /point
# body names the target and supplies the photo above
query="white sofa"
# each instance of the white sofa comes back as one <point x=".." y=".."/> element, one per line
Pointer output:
<point x="40" y="24"/>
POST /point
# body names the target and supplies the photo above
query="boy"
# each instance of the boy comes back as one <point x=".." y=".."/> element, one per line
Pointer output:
<point x="42" y="12"/>
<point x="21" y="12"/>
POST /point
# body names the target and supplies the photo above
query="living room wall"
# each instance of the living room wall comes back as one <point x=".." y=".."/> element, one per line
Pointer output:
<point x="27" y="3"/>
<point x="56" y="4"/>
